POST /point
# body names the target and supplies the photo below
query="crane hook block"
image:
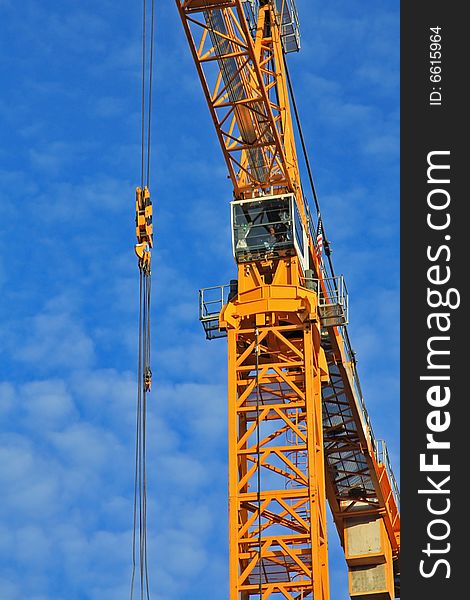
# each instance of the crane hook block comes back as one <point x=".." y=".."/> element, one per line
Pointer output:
<point x="147" y="379"/>
<point x="143" y="226"/>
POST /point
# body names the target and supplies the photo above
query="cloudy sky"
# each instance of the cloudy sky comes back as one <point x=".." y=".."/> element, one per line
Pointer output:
<point x="69" y="163"/>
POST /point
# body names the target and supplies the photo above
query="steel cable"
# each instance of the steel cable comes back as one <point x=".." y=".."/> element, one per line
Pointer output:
<point x="307" y="163"/>
<point x="149" y="117"/>
<point x="142" y="124"/>
<point x="139" y="549"/>
<point x="140" y="482"/>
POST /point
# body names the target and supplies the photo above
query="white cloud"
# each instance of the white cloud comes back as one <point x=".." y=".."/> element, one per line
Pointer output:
<point x="88" y="446"/>
<point x="62" y="483"/>
<point x="56" y="341"/>
<point x="10" y="590"/>
<point x="6" y="397"/>
<point x="30" y="481"/>
<point x="54" y="157"/>
<point x="46" y="404"/>
<point x="109" y="107"/>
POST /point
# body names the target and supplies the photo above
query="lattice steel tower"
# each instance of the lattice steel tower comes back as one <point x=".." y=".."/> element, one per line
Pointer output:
<point x="298" y="430"/>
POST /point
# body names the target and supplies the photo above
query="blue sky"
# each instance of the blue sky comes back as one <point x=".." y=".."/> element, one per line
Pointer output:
<point x="69" y="163"/>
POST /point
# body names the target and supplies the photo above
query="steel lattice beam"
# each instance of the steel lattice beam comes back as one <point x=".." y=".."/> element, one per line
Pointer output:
<point x="277" y="531"/>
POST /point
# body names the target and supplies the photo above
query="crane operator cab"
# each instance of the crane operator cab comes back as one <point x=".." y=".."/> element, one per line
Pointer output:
<point x="266" y="228"/>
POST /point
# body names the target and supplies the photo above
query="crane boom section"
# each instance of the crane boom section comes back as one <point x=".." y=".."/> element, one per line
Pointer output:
<point x="242" y="74"/>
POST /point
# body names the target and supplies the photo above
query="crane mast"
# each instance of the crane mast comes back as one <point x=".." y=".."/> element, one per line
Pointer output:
<point x="298" y="429"/>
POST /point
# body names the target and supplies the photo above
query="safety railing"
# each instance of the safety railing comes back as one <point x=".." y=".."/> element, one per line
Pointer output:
<point x="211" y="301"/>
<point x="336" y="289"/>
<point x="332" y="299"/>
<point x="351" y="361"/>
<point x="251" y="9"/>
<point x="379" y="446"/>
<point x="289" y="21"/>
<point x="383" y="458"/>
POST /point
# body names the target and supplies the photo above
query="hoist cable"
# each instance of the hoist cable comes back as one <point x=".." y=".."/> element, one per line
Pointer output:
<point x="301" y="135"/>
<point x="140" y="489"/>
<point x="140" y="483"/>
<point x="139" y="549"/>
<point x="138" y="449"/>
<point x="146" y="339"/>
<point x="144" y="60"/>
<point x="149" y="118"/>
<point x="147" y="82"/>
<point x="307" y="162"/>
<point x="142" y="463"/>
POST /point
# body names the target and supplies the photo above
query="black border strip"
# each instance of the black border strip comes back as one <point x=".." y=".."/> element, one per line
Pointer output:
<point x="434" y="233"/>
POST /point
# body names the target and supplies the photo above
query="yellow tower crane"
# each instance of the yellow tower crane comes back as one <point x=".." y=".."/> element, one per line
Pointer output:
<point x="298" y="429"/>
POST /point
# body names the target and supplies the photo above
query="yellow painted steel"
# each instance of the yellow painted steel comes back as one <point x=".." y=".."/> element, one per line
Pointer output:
<point x="144" y="227"/>
<point x="278" y="543"/>
<point x="285" y="371"/>
<point x="278" y="539"/>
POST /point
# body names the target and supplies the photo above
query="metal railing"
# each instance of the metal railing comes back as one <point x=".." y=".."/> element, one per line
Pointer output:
<point x="251" y="9"/>
<point x="211" y="301"/>
<point x="379" y="446"/>
<point x="351" y="359"/>
<point x="336" y="292"/>
<point x="382" y="457"/>
<point x="289" y="22"/>
<point x="332" y="299"/>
